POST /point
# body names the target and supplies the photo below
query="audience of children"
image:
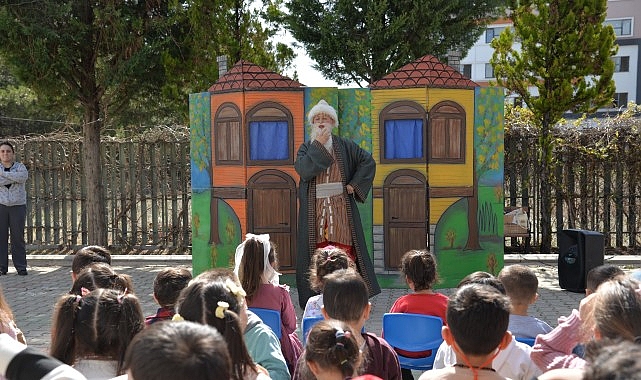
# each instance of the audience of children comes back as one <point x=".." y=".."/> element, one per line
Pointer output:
<point x="345" y="298"/>
<point x="613" y="312"/>
<point x="217" y="303"/>
<point x="513" y="361"/>
<point x="521" y="286"/>
<point x="178" y="351"/>
<point x="92" y="332"/>
<point x="168" y="284"/>
<point x="419" y="269"/>
<point x="324" y="261"/>
<point x="331" y="353"/>
<point x="255" y="262"/>
<point x="262" y="343"/>
<point x="477" y="316"/>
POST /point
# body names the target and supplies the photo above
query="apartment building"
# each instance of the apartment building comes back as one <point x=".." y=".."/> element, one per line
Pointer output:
<point x="625" y="18"/>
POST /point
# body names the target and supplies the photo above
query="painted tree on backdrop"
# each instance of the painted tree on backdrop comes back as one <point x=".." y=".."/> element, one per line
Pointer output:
<point x="566" y="54"/>
<point x="362" y="41"/>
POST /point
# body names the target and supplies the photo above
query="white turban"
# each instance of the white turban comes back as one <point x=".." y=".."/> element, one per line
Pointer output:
<point x="269" y="273"/>
<point x="322" y="107"/>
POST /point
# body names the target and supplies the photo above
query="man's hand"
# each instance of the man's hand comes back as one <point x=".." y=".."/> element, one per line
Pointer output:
<point x="324" y="135"/>
<point x="350" y="189"/>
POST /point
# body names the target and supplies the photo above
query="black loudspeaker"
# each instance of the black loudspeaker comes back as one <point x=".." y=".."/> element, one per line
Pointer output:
<point x="579" y="252"/>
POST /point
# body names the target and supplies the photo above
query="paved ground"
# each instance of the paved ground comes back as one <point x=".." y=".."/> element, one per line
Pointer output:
<point x="32" y="297"/>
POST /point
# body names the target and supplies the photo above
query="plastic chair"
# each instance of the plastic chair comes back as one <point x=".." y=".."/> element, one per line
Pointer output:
<point x="413" y="332"/>
<point x="307" y="325"/>
<point x="528" y="341"/>
<point x="270" y="317"/>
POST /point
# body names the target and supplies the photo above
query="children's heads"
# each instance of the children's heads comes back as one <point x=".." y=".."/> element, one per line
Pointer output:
<point x="419" y="269"/>
<point x="477" y="319"/>
<point x="345" y="296"/>
<point x="520" y="283"/>
<point x="617" y="309"/>
<point x="325" y="261"/>
<point x="88" y="255"/>
<point x="217" y="303"/>
<point x="332" y="348"/>
<point x="168" y="284"/>
<point x="99" y="275"/>
<point x="598" y="275"/>
<point x="178" y="351"/>
<point x="255" y="260"/>
<point x="101" y="323"/>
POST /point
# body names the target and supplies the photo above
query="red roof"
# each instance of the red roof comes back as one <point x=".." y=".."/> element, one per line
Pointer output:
<point x="426" y="71"/>
<point x="249" y="76"/>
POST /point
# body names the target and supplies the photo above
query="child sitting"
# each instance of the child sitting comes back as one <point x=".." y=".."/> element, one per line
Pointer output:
<point x="477" y="316"/>
<point x="254" y="264"/>
<point x="181" y="351"/>
<point x="92" y="332"/>
<point x="521" y="286"/>
<point x="332" y="352"/>
<point x="325" y="261"/>
<point x="88" y="255"/>
<point x="100" y="276"/>
<point x="512" y="362"/>
<point x="419" y="269"/>
<point x="167" y="287"/>
<point x="345" y="299"/>
<point x="214" y="303"/>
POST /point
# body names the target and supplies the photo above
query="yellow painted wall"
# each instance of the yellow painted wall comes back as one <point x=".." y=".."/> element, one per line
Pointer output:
<point x="438" y="207"/>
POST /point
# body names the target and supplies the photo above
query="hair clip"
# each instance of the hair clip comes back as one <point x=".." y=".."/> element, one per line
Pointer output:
<point x="235" y="289"/>
<point x="84" y="291"/>
<point x="122" y="295"/>
<point x="177" y="318"/>
<point x="221" y="308"/>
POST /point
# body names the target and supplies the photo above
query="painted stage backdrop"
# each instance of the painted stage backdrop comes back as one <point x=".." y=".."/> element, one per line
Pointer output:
<point x="436" y="136"/>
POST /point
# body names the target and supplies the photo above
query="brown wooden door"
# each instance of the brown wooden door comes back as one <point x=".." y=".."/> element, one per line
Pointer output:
<point x="271" y="209"/>
<point x="405" y="213"/>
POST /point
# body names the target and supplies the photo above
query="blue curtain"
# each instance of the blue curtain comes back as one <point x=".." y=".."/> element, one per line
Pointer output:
<point x="403" y="138"/>
<point x="268" y="140"/>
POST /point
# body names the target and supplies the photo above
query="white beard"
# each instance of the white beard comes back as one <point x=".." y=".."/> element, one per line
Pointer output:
<point x="316" y="131"/>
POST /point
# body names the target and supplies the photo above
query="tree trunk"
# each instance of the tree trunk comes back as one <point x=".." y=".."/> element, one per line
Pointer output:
<point x="95" y="205"/>
<point x="473" y="243"/>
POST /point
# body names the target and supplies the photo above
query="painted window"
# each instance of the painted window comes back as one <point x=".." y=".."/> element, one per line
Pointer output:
<point x="227" y="132"/>
<point x="447" y="133"/>
<point x="402" y="128"/>
<point x="269" y="134"/>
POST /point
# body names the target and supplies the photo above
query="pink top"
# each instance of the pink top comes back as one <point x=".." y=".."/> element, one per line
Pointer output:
<point x="554" y="349"/>
<point x="276" y="297"/>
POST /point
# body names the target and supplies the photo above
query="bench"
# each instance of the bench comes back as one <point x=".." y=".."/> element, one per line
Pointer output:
<point x="516" y="224"/>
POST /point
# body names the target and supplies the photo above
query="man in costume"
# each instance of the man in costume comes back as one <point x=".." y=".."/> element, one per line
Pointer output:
<point x="334" y="173"/>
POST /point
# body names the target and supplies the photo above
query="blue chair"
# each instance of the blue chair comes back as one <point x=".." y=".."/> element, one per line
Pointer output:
<point x="270" y="317"/>
<point x="413" y="332"/>
<point x="307" y="325"/>
<point x="528" y="341"/>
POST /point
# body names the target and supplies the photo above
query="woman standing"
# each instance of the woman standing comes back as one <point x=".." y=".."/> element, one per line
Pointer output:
<point x="13" y="210"/>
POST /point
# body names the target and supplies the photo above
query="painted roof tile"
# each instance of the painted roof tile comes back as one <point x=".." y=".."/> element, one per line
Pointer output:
<point x="245" y="75"/>
<point x="426" y="71"/>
